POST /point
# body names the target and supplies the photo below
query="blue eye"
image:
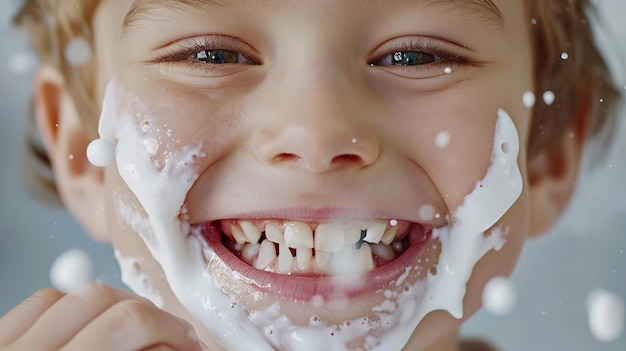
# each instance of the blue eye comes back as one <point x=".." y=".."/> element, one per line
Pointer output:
<point x="219" y="57"/>
<point x="408" y="58"/>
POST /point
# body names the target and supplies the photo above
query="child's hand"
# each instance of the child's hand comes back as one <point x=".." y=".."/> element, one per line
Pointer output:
<point x="97" y="317"/>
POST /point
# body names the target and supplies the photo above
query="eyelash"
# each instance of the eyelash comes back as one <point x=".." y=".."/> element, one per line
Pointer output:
<point x="183" y="52"/>
<point x="445" y="55"/>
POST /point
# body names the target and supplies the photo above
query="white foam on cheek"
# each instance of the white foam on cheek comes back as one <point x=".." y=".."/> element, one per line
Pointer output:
<point x="162" y="190"/>
<point x="139" y="282"/>
<point x="464" y="242"/>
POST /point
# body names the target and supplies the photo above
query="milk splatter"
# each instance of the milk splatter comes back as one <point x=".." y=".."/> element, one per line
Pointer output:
<point x="77" y="51"/>
<point x="101" y="153"/>
<point x="162" y="192"/>
<point x="71" y="270"/>
<point x="443" y="139"/>
<point x="499" y="296"/>
<point x="23" y="62"/>
<point x="426" y="212"/>
<point x="605" y="315"/>
<point x="528" y="99"/>
<point x="549" y="97"/>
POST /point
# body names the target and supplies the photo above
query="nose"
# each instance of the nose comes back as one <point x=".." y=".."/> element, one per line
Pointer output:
<point x="315" y="128"/>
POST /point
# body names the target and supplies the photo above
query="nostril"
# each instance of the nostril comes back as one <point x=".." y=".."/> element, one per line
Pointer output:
<point x="346" y="158"/>
<point x="286" y="157"/>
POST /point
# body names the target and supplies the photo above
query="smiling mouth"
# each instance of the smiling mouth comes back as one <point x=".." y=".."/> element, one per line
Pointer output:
<point x="300" y="259"/>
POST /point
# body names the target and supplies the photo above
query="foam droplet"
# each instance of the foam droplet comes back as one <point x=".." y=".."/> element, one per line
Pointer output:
<point x="71" y="270"/>
<point x="549" y="97"/>
<point x="77" y="52"/>
<point x="606" y="315"/>
<point x="101" y="153"/>
<point x="564" y="56"/>
<point x="499" y="296"/>
<point x="426" y="212"/>
<point x="23" y="62"/>
<point x="528" y="99"/>
<point x="447" y="70"/>
<point x="443" y="139"/>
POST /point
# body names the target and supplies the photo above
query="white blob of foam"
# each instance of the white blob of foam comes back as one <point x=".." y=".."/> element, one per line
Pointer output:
<point x="549" y="97"/>
<point x="71" y="270"/>
<point x="162" y="191"/>
<point x="564" y="56"/>
<point x="101" y="152"/>
<point x="426" y="212"/>
<point x="528" y="99"/>
<point x="77" y="51"/>
<point x="139" y="282"/>
<point x="23" y="62"/>
<point x="447" y="70"/>
<point x="499" y="296"/>
<point x="443" y="139"/>
<point x="606" y="315"/>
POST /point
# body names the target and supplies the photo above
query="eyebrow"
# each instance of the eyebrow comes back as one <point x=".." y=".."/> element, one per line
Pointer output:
<point x="140" y="9"/>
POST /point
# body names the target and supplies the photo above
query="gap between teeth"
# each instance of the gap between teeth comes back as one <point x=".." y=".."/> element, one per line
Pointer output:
<point x="334" y="248"/>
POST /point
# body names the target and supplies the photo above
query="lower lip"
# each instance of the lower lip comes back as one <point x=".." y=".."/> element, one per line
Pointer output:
<point x="305" y="288"/>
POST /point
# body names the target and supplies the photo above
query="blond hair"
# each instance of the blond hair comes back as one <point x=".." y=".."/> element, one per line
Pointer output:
<point x="557" y="26"/>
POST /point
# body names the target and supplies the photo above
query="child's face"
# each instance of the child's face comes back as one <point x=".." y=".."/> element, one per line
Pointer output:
<point x="309" y="119"/>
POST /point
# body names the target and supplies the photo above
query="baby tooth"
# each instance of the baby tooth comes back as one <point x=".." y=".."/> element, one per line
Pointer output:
<point x="383" y="251"/>
<point x="389" y="236"/>
<point x="285" y="260"/>
<point x="298" y="235"/>
<point x="252" y="234"/>
<point x="303" y="257"/>
<point x="363" y="258"/>
<point x="249" y="251"/>
<point x="321" y="259"/>
<point x="375" y="231"/>
<point x="274" y="234"/>
<point x="329" y="237"/>
<point x="238" y="235"/>
<point x="352" y="233"/>
<point x="267" y="254"/>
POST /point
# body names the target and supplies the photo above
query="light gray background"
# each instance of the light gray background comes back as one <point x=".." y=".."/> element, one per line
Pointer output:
<point x="586" y="250"/>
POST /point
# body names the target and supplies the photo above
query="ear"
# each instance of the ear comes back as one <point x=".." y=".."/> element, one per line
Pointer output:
<point x="80" y="184"/>
<point x="552" y="174"/>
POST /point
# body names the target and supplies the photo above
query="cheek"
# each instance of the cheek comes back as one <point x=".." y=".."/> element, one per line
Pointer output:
<point x="448" y="134"/>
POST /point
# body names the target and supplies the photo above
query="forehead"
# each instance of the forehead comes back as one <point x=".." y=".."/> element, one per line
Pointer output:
<point x="482" y="9"/>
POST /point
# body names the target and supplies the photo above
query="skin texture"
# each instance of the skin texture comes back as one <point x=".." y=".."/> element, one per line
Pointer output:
<point x="288" y="122"/>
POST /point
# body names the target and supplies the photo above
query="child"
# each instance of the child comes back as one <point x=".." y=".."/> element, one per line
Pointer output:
<point x="282" y="184"/>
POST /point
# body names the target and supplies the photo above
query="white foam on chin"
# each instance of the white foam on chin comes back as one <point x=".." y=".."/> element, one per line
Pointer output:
<point x="162" y="191"/>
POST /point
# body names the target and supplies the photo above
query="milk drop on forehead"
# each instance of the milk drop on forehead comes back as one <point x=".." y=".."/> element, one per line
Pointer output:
<point x="162" y="192"/>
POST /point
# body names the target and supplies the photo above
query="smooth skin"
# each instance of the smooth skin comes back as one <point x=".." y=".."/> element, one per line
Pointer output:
<point x="473" y="93"/>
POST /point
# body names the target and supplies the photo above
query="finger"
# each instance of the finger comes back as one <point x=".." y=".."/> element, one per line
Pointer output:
<point x="135" y="325"/>
<point x="62" y="321"/>
<point x="18" y="320"/>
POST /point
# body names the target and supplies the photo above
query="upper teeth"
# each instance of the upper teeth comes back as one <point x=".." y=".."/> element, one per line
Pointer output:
<point x="339" y="248"/>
